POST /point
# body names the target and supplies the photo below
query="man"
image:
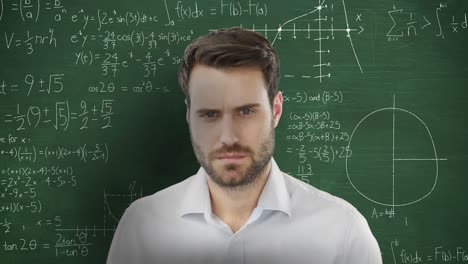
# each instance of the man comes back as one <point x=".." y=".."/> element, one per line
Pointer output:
<point x="239" y="207"/>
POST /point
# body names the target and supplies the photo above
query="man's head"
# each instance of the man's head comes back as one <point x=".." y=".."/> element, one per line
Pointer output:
<point x="230" y="79"/>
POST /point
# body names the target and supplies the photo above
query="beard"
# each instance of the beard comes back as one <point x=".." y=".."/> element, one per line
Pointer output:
<point x="242" y="178"/>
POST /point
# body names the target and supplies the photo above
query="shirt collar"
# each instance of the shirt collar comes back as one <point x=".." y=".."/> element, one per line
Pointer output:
<point x="274" y="196"/>
<point x="196" y="198"/>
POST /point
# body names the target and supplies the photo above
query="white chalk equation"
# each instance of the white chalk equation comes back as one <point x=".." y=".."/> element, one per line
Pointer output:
<point x="33" y="153"/>
<point x="381" y="159"/>
<point x="406" y="24"/>
<point x="61" y="115"/>
<point x="439" y="254"/>
<point x="185" y="11"/>
<point x="30" y="10"/>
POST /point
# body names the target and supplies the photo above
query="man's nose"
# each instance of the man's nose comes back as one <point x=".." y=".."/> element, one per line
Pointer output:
<point x="228" y="133"/>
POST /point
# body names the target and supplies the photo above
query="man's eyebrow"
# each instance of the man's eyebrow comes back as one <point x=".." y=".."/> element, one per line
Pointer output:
<point x="253" y="105"/>
<point x="204" y="110"/>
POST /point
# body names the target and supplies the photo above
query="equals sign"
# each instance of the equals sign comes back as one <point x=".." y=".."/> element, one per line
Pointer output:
<point x="288" y="137"/>
<point x="45" y="245"/>
<point x="93" y="37"/>
<point x="289" y="150"/>
<point x="48" y="222"/>
<point x="124" y="88"/>
<point x="92" y="18"/>
<point x="14" y="86"/>
<point x="213" y="11"/>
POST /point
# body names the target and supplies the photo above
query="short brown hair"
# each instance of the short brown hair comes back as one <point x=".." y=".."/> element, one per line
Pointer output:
<point x="231" y="48"/>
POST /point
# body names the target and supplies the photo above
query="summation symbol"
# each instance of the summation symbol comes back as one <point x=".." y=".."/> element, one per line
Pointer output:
<point x="394" y="161"/>
<point x="322" y="33"/>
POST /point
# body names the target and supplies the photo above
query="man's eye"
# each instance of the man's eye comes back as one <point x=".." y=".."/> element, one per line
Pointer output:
<point x="246" y="111"/>
<point x="209" y="115"/>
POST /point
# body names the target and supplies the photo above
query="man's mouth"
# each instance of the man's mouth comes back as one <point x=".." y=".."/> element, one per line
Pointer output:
<point x="231" y="156"/>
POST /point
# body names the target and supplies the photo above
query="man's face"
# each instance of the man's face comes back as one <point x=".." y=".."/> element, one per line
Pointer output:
<point x="232" y="123"/>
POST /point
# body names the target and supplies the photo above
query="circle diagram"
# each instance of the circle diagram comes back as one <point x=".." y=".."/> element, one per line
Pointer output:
<point x="393" y="159"/>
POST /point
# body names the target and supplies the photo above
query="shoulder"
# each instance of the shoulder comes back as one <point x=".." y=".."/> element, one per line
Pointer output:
<point x="159" y="203"/>
<point x="308" y="199"/>
<point x="339" y="218"/>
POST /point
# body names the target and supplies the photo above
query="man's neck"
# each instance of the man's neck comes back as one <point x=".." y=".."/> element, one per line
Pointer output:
<point x="234" y="206"/>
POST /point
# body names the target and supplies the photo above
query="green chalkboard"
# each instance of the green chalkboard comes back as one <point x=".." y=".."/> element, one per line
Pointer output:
<point x="92" y="117"/>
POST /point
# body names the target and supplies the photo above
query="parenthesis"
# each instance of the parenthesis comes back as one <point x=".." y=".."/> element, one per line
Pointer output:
<point x="333" y="153"/>
<point x="46" y="171"/>
<point x="266" y="9"/>
<point x="8" y="171"/>
<point x="99" y="19"/>
<point x="312" y="137"/>
<point x="83" y="151"/>
<point x="17" y="151"/>
<point x="138" y="18"/>
<point x="320" y="153"/>
<point x="305" y="97"/>
<point x="46" y="152"/>
<point x="168" y="40"/>
<point x="1" y="9"/>
<point x="38" y="9"/>
<point x="290" y="116"/>
<point x="40" y="205"/>
<point x="341" y="97"/>
<point x="21" y="11"/>
<point x="91" y="56"/>
<point x="71" y="170"/>
<point x="143" y="38"/>
<point x="68" y="115"/>
<point x="332" y="136"/>
<point x="178" y="37"/>
<point x="328" y="115"/>
<point x="126" y="18"/>
<point x="107" y="153"/>
<point x="35" y="154"/>
<point x="323" y="98"/>
<point x="131" y="38"/>
<point x="27" y="115"/>
<point x="240" y="8"/>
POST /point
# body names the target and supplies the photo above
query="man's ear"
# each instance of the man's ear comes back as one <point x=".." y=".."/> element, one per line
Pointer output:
<point x="277" y="107"/>
<point x="187" y="112"/>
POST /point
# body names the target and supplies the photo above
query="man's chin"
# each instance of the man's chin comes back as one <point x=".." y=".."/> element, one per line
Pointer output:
<point x="229" y="176"/>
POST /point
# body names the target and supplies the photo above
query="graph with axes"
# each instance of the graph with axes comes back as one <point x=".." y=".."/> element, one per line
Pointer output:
<point x="324" y="28"/>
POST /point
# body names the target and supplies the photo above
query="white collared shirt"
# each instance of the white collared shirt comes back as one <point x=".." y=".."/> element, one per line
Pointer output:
<point x="292" y="223"/>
